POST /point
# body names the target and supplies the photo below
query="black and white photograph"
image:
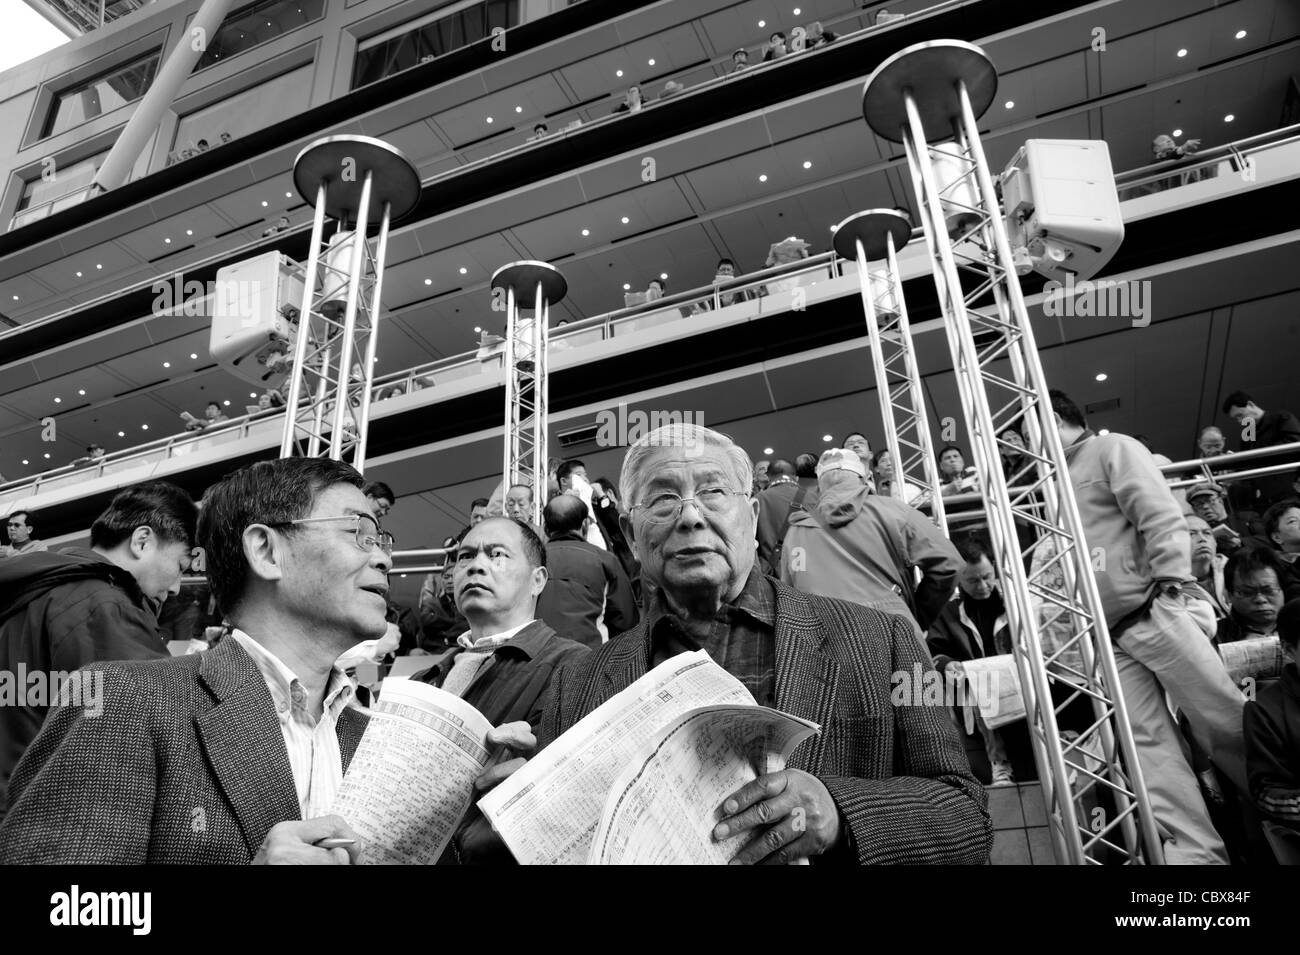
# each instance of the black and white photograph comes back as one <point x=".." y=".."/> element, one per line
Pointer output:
<point x="656" y="433"/>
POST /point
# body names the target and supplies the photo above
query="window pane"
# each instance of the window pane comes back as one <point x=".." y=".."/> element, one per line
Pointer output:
<point x="68" y="179"/>
<point x="103" y="94"/>
<point x="258" y="23"/>
<point x="433" y="38"/>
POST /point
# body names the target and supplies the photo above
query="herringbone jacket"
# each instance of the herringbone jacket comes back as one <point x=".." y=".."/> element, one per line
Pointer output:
<point x="185" y="764"/>
<point x="898" y="774"/>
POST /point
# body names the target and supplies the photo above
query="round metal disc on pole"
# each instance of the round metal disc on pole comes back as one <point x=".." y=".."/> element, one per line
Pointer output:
<point x="930" y="72"/>
<point x="523" y="278"/>
<point x="341" y="164"/>
<point x="871" y="228"/>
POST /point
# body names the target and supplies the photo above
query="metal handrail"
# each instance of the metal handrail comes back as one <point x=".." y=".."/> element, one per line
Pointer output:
<point x="168" y="444"/>
<point x="1232" y="151"/>
<point x="495" y="157"/>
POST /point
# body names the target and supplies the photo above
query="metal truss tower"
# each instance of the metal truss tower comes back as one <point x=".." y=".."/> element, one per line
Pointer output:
<point x="876" y="236"/>
<point x="930" y="97"/>
<point x="524" y="459"/>
<point x="360" y="183"/>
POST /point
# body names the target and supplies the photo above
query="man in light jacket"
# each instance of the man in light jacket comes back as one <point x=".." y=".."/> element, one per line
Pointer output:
<point x="1161" y="623"/>
<point x="861" y="547"/>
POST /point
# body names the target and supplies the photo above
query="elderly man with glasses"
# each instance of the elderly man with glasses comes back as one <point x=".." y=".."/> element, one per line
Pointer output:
<point x="881" y="782"/>
<point x="234" y="755"/>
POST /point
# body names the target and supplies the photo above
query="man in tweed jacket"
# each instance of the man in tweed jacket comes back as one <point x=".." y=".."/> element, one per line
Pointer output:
<point x="232" y="755"/>
<point x="881" y="782"/>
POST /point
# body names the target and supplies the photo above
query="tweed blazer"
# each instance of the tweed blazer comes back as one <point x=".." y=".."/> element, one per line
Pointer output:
<point x="186" y="764"/>
<point x="898" y="773"/>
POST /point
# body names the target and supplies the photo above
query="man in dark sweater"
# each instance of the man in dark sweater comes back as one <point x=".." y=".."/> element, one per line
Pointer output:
<point x="61" y="611"/>
<point x="1265" y="429"/>
<point x="588" y="597"/>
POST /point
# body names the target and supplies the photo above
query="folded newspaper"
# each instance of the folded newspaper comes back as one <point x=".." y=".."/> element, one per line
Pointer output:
<point x="1258" y="658"/>
<point x="411" y="780"/>
<point x="642" y="778"/>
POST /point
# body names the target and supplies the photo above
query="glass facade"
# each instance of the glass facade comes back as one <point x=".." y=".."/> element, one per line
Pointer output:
<point x="430" y="37"/>
<point x="258" y="23"/>
<point x="103" y="94"/>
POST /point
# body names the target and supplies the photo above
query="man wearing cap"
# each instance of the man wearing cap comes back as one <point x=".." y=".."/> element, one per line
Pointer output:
<point x="1206" y="499"/>
<point x="862" y="547"/>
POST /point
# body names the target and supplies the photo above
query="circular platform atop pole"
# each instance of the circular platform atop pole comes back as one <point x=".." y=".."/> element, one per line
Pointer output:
<point x="341" y="162"/>
<point x="931" y="71"/>
<point x="871" y="227"/>
<point x="523" y="278"/>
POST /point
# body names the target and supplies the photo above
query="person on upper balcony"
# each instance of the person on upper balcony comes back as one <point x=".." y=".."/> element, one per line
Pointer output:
<point x="1264" y="429"/>
<point x="776" y="47"/>
<point x="631" y="101"/>
<point x="739" y="60"/>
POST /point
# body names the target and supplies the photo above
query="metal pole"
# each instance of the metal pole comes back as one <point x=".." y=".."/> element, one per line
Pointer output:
<point x="374" y="309"/>
<point x="305" y="315"/>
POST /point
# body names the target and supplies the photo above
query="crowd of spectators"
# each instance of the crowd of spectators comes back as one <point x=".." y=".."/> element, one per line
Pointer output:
<point x="526" y="590"/>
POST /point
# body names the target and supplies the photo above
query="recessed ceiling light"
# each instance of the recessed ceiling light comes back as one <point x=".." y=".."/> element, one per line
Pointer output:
<point x="761" y="24"/>
<point x="1104" y="431"/>
<point x="519" y="109"/>
<point x="834" y="226"/>
<point x="618" y="72"/>
<point x="144" y="427"/>
<point x="403" y="576"/>
<point x="265" y="203"/>
<point x="1009" y="104"/>
<point x="15" y="298"/>
<point x="121" y="434"/>
<point x="428" y="281"/>
<point x="1102" y="376"/>
<point x="167" y="241"/>
<point x="625" y="220"/>
<point x="78" y="275"/>
<point x="193" y="355"/>
<point x="807" y="164"/>
<point x="1241" y="34"/>
<point x="189" y="231"/>
<point x="47" y="454"/>
<point x="586" y="232"/>
<point x="58" y="401"/>
<point x="768" y="451"/>
<point x="24" y="460"/>
<point x="1182" y="52"/>
<point x="478" y="328"/>
<point x="489" y="119"/>
<point x="252" y="394"/>
<point x="662" y="275"/>
<point x="626" y="288"/>
<point x="226" y="402"/>
<point x="651" y="61"/>
<point x="98" y="266"/>
<point x="167" y="364"/>
<point x="1177" y="132"/>
<point x="1229" y="118"/>
<point x="288" y="195"/>
<point x="463" y="270"/>
<point x="81" y="391"/>
<point x="762" y="177"/>
<point x="827" y="437"/>
<point x="797" y="11"/>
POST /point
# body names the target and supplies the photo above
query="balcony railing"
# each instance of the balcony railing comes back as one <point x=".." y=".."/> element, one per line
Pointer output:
<point x="707" y="299"/>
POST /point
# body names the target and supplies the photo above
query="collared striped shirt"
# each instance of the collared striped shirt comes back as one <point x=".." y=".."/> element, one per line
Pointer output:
<point x="312" y="745"/>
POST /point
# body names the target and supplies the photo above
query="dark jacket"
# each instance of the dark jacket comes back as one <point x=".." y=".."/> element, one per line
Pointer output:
<point x="897" y="773"/>
<point x="588" y="597"/>
<point x="440" y="622"/>
<point x="773" y="510"/>
<point x="511" y="686"/>
<point x="1232" y="628"/>
<point x="185" y="765"/>
<point x="59" y="612"/>
<point x="1272" y="729"/>
<point x="954" y="637"/>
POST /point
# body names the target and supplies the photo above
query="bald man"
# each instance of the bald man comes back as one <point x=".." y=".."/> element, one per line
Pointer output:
<point x="588" y="597"/>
